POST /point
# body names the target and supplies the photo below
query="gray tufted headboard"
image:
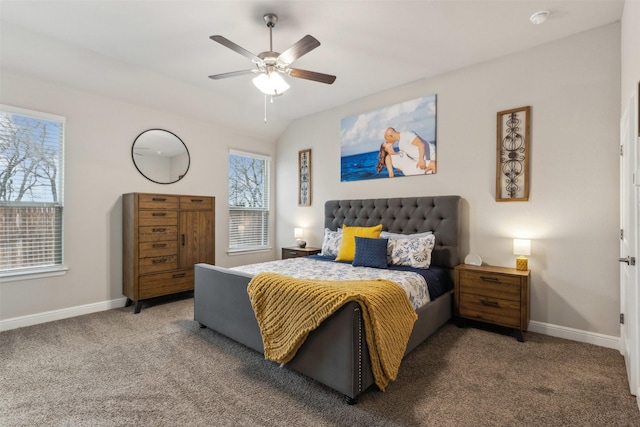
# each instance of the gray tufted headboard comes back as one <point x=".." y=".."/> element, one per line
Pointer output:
<point x="404" y="215"/>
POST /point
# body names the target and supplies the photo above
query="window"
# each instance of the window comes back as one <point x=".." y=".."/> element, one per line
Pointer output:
<point x="31" y="176"/>
<point x="248" y="202"/>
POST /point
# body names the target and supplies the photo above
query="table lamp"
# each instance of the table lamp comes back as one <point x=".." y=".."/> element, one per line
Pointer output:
<point x="522" y="247"/>
<point x="298" y="234"/>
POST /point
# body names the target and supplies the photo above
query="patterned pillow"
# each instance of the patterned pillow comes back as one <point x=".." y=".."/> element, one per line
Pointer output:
<point x="331" y="243"/>
<point x="347" y="249"/>
<point x="411" y="252"/>
<point x="370" y="253"/>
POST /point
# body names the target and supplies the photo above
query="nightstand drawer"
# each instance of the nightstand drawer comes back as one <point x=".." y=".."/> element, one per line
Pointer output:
<point x="299" y="252"/>
<point x="490" y="284"/>
<point x="494" y="310"/>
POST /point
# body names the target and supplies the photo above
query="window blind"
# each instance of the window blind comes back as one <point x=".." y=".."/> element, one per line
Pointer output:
<point x="248" y="201"/>
<point x="31" y="189"/>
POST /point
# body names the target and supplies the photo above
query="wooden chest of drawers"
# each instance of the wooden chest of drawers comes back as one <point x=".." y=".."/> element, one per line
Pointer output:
<point x="163" y="237"/>
<point x="494" y="295"/>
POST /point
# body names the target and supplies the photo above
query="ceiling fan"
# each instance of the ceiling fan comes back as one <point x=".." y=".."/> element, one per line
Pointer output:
<point x="270" y="65"/>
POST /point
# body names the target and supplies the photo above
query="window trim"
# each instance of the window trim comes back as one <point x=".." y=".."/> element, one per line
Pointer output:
<point x="38" y="272"/>
<point x="254" y="249"/>
<point x="33" y="273"/>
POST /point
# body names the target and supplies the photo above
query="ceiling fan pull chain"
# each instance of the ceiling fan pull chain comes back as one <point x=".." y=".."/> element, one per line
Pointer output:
<point x="265" y="108"/>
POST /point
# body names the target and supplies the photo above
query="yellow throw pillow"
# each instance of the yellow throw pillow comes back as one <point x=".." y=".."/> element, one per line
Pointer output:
<point x="347" y="249"/>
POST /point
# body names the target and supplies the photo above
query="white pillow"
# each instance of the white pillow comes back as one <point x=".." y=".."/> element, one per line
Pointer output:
<point x="414" y="252"/>
<point x="387" y="235"/>
<point x="331" y="243"/>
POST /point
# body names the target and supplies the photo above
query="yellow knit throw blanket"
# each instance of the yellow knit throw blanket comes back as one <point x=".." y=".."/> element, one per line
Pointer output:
<point x="287" y="309"/>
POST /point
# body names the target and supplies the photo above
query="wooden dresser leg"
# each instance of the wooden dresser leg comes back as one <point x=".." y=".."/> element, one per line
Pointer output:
<point x="128" y="303"/>
<point x="518" y="334"/>
<point x="138" y="307"/>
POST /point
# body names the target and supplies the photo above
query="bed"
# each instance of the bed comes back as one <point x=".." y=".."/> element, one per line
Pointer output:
<point x="336" y="353"/>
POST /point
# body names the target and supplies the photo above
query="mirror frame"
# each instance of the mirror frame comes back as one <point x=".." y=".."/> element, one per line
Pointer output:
<point x="133" y="159"/>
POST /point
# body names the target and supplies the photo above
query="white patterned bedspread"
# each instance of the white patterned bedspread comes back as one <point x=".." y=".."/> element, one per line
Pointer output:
<point x="304" y="268"/>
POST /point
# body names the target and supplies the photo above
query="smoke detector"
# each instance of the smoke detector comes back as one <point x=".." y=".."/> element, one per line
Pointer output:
<point x="539" y="17"/>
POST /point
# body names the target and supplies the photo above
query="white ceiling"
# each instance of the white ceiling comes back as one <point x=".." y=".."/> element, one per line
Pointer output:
<point x="158" y="53"/>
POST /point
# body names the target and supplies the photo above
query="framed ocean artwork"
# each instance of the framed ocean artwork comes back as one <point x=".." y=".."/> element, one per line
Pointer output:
<point x="394" y="141"/>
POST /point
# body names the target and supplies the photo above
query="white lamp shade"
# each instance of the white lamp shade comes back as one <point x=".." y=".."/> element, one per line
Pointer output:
<point x="270" y="84"/>
<point x="298" y="233"/>
<point x="521" y="247"/>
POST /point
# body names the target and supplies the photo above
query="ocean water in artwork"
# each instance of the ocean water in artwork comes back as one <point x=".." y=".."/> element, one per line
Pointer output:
<point x="362" y="166"/>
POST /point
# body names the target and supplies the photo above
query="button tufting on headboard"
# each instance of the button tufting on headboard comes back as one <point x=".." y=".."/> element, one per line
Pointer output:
<point x="405" y="215"/>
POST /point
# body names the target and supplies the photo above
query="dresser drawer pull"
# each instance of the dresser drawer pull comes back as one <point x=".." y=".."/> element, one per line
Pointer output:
<point x="159" y="245"/>
<point x="196" y="200"/>
<point x="159" y="199"/>
<point x="489" y="303"/>
<point x="179" y="275"/>
<point x="159" y="230"/>
<point x="293" y="253"/>
<point x="159" y="214"/>
<point x="489" y="279"/>
<point x="183" y="240"/>
<point x="159" y="261"/>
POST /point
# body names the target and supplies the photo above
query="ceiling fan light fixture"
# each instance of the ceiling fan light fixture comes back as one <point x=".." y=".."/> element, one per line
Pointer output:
<point x="271" y="83"/>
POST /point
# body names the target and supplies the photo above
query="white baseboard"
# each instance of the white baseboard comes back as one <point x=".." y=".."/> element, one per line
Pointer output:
<point x="601" y="340"/>
<point x="538" y="327"/>
<point x="50" y="316"/>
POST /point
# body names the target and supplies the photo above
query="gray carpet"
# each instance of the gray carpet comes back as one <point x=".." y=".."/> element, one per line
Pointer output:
<point x="159" y="368"/>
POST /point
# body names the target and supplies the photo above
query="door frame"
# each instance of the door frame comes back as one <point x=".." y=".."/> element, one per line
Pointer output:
<point x="629" y="239"/>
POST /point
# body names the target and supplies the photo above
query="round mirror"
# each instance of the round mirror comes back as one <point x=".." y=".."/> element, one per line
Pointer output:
<point x="160" y="156"/>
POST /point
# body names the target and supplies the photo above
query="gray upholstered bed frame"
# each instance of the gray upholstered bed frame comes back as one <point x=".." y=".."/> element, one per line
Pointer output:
<point x="336" y="354"/>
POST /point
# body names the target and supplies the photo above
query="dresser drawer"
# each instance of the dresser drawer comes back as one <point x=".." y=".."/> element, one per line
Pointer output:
<point x="157" y="217"/>
<point x="490" y="284"/>
<point x="158" y="233"/>
<point x="195" y="202"/>
<point x="494" y="310"/>
<point x="157" y="263"/>
<point x="157" y="201"/>
<point x="166" y="283"/>
<point x="154" y="249"/>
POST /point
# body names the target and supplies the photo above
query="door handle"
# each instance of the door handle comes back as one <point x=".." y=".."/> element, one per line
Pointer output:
<point x="629" y="260"/>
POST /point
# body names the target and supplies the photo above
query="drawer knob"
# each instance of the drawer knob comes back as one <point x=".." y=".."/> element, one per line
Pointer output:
<point x="489" y="279"/>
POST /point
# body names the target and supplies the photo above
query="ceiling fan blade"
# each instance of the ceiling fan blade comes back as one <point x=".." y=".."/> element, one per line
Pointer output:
<point x="233" y="74"/>
<point x="312" y="75"/>
<point x="231" y="45"/>
<point x="301" y="47"/>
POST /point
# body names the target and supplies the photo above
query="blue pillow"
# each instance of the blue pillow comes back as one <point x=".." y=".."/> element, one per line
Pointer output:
<point x="370" y="253"/>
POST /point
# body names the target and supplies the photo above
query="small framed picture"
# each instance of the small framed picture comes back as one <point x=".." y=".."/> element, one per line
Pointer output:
<point x="512" y="155"/>
<point x="304" y="177"/>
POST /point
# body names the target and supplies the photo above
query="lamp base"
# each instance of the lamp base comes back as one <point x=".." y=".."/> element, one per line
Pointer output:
<point x="522" y="263"/>
<point x="301" y="243"/>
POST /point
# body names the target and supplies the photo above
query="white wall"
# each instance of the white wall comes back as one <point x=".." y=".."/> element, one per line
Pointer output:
<point x="630" y="34"/>
<point x="573" y="88"/>
<point x="98" y="170"/>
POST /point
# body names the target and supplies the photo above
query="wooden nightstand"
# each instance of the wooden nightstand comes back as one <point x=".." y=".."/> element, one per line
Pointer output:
<point x="494" y="295"/>
<point x="295" y="252"/>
